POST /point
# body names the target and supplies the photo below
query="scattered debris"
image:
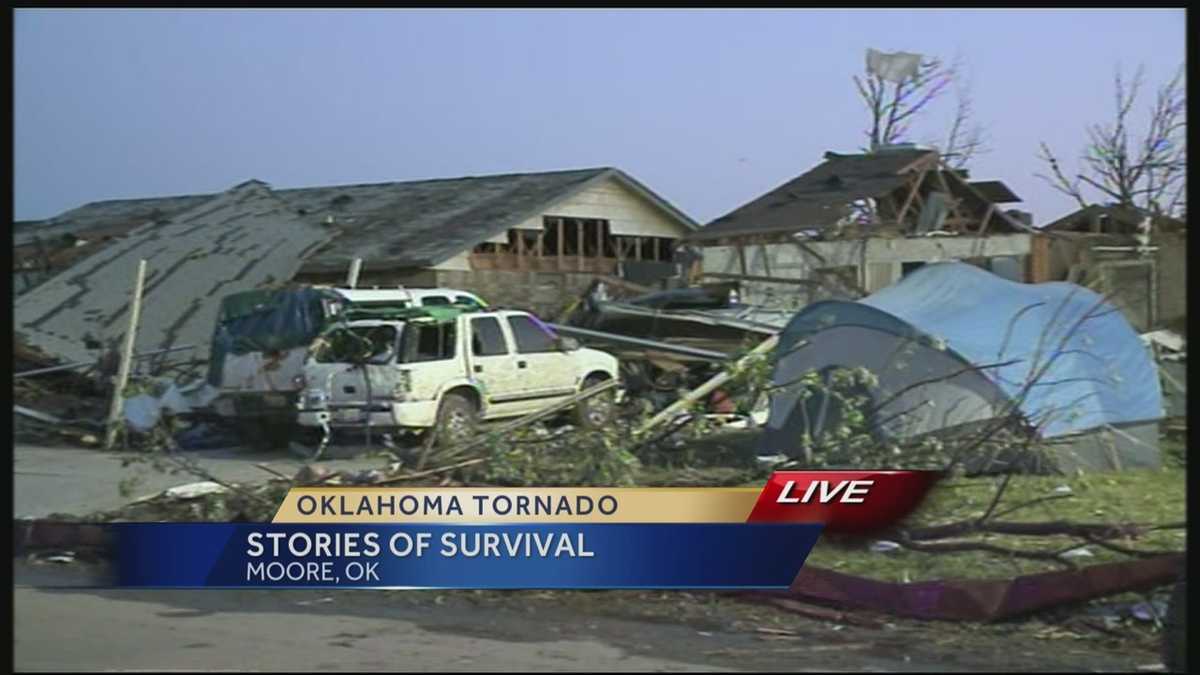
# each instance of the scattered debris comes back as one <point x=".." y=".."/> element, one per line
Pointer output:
<point x="194" y="490"/>
<point x="884" y="546"/>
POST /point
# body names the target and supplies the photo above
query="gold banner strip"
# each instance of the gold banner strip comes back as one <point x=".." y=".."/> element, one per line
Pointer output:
<point x="517" y="505"/>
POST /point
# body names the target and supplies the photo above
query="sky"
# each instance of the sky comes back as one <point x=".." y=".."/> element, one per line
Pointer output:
<point x="709" y="108"/>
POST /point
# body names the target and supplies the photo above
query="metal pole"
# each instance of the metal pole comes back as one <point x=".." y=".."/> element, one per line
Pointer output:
<point x="118" y="401"/>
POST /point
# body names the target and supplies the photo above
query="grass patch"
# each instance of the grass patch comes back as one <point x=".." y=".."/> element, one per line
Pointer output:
<point x="1133" y="496"/>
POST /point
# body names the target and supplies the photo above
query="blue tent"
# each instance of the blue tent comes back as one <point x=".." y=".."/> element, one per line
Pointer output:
<point x="973" y="342"/>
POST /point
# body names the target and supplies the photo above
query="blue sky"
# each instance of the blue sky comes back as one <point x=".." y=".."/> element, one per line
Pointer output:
<point x="710" y="108"/>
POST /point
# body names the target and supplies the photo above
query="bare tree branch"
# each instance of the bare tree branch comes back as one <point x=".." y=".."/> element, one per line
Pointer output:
<point x="1145" y="170"/>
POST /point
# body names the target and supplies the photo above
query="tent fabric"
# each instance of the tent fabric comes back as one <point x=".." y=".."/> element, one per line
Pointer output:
<point x="1071" y="360"/>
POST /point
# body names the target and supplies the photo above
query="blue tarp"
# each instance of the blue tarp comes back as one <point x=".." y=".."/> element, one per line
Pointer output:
<point x="1087" y="364"/>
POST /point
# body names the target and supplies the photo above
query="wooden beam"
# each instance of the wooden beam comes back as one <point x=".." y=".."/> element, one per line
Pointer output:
<point x="122" y="379"/>
<point x="807" y="249"/>
<point x="924" y="162"/>
<point x="911" y="195"/>
<point x="987" y="218"/>
<point x="657" y="258"/>
<point x="637" y="249"/>
<point x="954" y="201"/>
<point x="769" y="280"/>
<point x="561" y="243"/>
<point x="352" y="275"/>
<point x="766" y="259"/>
<point x="742" y="259"/>
<point x="579" y="232"/>
<point x="599" y="238"/>
<point x="520" y="248"/>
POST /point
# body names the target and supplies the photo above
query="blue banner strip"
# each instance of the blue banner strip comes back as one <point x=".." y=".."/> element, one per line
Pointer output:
<point x="545" y="556"/>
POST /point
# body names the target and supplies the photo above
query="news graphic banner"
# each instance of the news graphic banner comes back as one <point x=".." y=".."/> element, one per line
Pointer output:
<point x="493" y="538"/>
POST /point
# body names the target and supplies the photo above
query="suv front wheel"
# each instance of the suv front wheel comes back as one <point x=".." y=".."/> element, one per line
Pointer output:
<point x="595" y="412"/>
<point x="456" y="421"/>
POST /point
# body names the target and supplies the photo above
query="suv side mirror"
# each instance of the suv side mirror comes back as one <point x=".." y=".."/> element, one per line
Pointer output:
<point x="567" y="344"/>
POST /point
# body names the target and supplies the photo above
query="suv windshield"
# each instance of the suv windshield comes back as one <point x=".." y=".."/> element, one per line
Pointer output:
<point x="357" y="344"/>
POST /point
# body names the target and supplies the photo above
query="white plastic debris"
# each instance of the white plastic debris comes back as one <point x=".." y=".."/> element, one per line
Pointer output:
<point x="771" y="460"/>
<point x="884" y="546"/>
<point x="1063" y="489"/>
<point x="1166" y="339"/>
<point x="1081" y="552"/>
<point x="193" y="490"/>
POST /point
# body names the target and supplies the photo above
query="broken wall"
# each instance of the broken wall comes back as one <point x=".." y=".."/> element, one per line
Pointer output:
<point x="849" y="268"/>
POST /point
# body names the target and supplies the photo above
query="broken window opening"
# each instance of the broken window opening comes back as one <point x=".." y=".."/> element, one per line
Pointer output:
<point x="428" y="342"/>
<point x="359" y="344"/>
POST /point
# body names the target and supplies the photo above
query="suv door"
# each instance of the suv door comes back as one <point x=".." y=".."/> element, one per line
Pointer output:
<point x="430" y="355"/>
<point x="493" y="365"/>
<point x="546" y="372"/>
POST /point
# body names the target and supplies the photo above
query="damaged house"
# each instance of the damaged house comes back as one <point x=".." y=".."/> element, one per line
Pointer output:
<point x="43" y="248"/>
<point x="858" y="223"/>
<point x="532" y="240"/>
<point x="1138" y="260"/>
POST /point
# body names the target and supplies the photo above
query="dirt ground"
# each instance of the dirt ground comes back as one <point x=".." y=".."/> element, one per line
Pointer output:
<point x="62" y="626"/>
<point x="72" y="628"/>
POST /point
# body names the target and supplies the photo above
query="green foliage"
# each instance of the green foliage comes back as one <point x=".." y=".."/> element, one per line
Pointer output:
<point x="591" y="458"/>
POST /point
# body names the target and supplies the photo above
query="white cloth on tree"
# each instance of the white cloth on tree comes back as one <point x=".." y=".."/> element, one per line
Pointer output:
<point x="894" y="67"/>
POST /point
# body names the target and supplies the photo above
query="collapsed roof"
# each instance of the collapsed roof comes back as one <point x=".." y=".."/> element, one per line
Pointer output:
<point x="202" y="247"/>
<point x="422" y="223"/>
<point x="1110" y="219"/>
<point x="239" y="240"/>
<point x="900" y="180"/>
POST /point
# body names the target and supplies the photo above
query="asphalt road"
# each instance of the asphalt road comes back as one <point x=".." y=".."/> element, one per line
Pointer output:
<point x="57" y="631"/>
<point x="77" y="628"/>
<point x="79" y="481"/>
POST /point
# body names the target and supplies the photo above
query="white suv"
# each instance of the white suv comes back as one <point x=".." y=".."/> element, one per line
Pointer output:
<point x="260" y="388"/>
<point x="447" y="371"/>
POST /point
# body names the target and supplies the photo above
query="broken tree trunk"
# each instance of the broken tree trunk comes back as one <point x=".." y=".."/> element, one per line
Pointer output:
<point x="706" y="388"/>
<point x="118" y="400"/>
